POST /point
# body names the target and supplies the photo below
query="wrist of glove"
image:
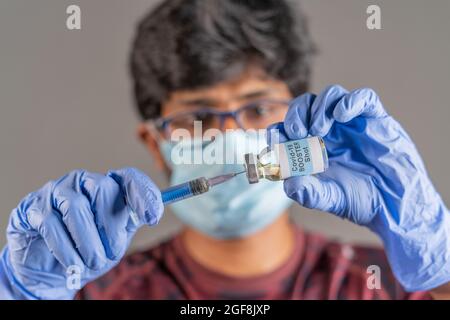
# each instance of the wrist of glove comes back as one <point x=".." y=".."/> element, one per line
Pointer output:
<point x="375" y="178"/>
<point x="418" y="251"/>
<point x="10" y="288"/>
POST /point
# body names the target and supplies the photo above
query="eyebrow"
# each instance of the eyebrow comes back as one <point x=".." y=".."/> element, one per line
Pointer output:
<point x="205" y="102"/>
<point x="255" y="94"/>
<point x="200" y="102"/>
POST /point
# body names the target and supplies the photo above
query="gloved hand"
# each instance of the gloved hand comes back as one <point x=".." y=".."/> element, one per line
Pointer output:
<point x="375" y="178"/>
<point x="82" y="222"/>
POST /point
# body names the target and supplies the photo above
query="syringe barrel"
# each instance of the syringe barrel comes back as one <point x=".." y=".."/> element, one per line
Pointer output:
<point x="185" y="190"/>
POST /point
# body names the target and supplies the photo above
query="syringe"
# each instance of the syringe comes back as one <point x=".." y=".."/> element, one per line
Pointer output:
<point x="193" y="187"/>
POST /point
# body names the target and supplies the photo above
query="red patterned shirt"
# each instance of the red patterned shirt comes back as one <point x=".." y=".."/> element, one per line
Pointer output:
<point x="317" y="269"/>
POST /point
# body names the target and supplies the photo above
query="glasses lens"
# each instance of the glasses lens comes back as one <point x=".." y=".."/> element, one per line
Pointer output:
<point x="262" y="114"/>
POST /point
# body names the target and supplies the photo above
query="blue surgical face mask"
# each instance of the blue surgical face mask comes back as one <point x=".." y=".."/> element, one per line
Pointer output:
<point x="235" y="208"/>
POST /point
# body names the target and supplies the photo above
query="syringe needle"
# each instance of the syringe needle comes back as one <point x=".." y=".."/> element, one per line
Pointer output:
<point x="222" y="178"/>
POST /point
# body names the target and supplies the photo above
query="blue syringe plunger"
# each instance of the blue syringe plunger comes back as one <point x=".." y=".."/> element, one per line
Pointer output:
<point x="185" y="190"/>
<point x="193" y="188"/>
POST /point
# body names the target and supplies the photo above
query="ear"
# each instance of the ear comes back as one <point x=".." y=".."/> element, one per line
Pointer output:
<point x="148" y="138"/>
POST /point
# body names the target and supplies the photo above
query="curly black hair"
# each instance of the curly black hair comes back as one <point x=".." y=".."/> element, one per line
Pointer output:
<point x="187" y="44"/>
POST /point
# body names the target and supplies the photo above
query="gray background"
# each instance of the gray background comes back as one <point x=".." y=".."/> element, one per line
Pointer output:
<point x="66" y="102"/>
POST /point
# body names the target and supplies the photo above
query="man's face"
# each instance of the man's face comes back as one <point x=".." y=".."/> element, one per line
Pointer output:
<point x="250" y="86"/>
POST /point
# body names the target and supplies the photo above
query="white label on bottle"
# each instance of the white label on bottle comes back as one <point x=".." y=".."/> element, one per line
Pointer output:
<point x="300" y="157"/>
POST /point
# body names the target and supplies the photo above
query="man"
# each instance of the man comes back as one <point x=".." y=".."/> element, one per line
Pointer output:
<point x="235" y="65"/>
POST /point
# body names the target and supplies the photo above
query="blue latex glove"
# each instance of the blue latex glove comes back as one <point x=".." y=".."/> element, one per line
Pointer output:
<point x="81" y="222"/>
<point x="376" y="178"/>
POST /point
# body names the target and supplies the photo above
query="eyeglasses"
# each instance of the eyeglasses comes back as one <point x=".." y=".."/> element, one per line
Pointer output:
<point x="255" y="115"/>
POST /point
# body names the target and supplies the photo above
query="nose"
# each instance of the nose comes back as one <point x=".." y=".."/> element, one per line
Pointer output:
<point x="229" y="123"/>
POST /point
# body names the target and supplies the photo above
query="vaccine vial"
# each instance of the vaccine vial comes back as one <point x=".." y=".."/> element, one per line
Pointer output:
<point x="288" y="159"/>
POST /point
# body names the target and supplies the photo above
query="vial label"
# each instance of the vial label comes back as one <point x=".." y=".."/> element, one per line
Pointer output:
<point x="301" y="157"/>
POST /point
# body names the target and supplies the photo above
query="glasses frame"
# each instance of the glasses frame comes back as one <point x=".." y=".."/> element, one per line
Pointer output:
<point x="162" y="123"/>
